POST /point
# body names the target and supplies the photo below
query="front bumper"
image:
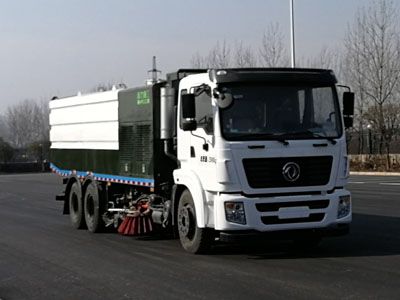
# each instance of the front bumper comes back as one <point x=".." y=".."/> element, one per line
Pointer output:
<point x="285" y="215"/>
<point x="246" y="235"/>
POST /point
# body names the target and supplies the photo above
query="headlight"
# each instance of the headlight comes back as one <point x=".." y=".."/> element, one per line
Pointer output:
<point x="344" y="206"/>
<point x="234" y="212"/>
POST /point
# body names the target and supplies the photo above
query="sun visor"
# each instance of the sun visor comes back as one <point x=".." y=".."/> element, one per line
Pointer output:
<point x="279" y="76"/>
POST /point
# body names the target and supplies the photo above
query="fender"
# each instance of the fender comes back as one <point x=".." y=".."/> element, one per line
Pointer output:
<point x="190" y="179"/>
<point x="88" y="179"/>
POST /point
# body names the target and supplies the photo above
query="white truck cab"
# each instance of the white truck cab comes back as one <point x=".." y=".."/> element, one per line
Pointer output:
<point x="260" y="151"/>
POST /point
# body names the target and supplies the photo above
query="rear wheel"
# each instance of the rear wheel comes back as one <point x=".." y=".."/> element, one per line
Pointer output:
<point x="193" y="238"/>
<point x="93" y="209"/>
<point x="76" y="206"/>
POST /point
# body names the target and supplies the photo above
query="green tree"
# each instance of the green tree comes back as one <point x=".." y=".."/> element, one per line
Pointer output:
<point x="6" y="151"/>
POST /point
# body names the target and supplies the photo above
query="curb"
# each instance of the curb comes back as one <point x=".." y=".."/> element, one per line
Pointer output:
<point x="376" y="173"/>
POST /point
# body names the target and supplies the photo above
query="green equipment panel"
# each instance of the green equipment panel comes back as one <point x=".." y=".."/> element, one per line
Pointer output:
<point x="141" y="152"/>
<point x="136" y="132"/>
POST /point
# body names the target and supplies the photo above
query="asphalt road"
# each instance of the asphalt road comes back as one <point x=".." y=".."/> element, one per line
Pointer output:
<point x="42" y="257"/>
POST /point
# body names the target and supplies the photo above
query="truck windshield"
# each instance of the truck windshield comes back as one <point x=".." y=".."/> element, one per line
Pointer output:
<point x="262" y="112"/>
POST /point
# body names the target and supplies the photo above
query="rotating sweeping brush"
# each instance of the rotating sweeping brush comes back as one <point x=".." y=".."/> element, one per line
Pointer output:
<point x="138" y="221"/>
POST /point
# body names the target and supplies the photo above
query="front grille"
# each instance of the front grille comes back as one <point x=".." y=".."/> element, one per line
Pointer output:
<point x="314" y="204"/>
<point x="268" y="172"/>
<point x="273" y="220"/>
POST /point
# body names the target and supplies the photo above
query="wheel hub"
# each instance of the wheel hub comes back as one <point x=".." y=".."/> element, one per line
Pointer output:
<point x="184" y="221"/>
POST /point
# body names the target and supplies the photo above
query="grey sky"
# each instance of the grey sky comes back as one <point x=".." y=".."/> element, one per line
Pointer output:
<point x="53" y="47"/>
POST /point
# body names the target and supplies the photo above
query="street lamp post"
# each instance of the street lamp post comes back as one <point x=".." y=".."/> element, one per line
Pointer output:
<point x="293" y="52"/>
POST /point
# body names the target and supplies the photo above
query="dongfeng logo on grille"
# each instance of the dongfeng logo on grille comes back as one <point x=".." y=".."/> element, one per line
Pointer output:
<point x="291" y="171"/>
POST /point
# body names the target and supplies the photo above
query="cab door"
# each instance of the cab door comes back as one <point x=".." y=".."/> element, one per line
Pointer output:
<point x="197" y="146"/>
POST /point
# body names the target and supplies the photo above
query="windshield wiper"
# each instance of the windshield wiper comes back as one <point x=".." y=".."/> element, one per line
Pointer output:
<point x="270" y="136"/>
<point x="313" y="134"/>
<point x="329" y="138"/>
<point x="283" y="137"/>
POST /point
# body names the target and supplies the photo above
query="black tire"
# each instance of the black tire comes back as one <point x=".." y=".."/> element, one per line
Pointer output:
<point x="76" y="206"/>
<point x="193" y="239"/>
<point x="93" y="208"/>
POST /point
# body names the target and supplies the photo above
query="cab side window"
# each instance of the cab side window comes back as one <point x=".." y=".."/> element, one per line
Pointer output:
<point x="204" y="112"/>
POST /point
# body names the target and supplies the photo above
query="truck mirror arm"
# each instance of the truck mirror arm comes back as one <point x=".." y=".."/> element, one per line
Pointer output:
<point x="205" y="145"/>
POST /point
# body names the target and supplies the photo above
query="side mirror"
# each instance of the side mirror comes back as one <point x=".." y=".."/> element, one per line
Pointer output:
<point x="348" y="121"/>
<point x="224" y="99"/>
<point x="188" y="106"/>
<point x="348" y="103"/>
<point x="189" y="125"/>
<point x="348" y="109"/>
<point x="188" y="112"/>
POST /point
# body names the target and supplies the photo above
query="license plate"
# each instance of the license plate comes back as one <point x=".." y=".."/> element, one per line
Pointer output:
<point x="293" y="212"/>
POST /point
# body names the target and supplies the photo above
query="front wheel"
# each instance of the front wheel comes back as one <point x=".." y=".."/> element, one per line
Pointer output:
<point x="193" y="239"/>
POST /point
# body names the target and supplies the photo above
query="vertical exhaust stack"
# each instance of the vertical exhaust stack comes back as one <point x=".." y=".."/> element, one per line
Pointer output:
<point x="154" y="73"/>
<point x="167" y="113"/>
<point x="167" y="119"/>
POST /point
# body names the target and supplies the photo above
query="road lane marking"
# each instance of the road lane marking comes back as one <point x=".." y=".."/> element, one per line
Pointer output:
<point x="357" y="182"/>
<point x="389" y="183"/>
